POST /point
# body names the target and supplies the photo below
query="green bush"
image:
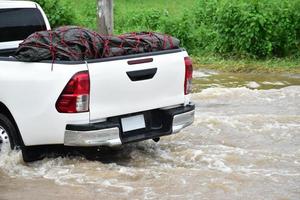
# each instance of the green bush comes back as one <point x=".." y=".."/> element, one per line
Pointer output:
<point x="240" y="28"/>
<point x="257" y="28"/>
<point x="58" y="12"/>
<point x="139" y="21"/>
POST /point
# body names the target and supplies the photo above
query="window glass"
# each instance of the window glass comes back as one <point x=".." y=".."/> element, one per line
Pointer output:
<point x="19" y="23"/>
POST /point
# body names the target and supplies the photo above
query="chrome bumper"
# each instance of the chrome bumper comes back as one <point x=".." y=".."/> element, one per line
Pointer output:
<point x="104" y="137"/>
<point x="182" y="120"/>
<point x="177" y="119"/>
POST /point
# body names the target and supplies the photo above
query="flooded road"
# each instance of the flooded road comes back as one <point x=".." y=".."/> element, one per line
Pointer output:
<point x="244" y="144"/>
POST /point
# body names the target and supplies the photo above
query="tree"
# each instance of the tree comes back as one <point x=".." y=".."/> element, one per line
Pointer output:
<point x="105" y="16"/>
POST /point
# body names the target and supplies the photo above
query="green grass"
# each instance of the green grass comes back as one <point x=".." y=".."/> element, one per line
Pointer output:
<point x="174" y="7"/>
<point x="85" y="12"/>
<point x="247" y="65"/>
<point x="130" y="15"/>
<point x="124" y="10"/>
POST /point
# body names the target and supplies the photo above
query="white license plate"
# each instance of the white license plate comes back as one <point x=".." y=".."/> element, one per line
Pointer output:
<point x="133" y="123"/>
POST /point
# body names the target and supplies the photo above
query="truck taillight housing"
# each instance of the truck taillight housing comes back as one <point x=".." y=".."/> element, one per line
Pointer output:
<point x="188" y="75"/>
<point x="75" y="97"/>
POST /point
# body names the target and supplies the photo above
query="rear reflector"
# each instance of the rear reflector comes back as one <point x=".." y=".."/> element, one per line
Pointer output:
<point x="76" y="94"/>
<point x="188" y="75"/>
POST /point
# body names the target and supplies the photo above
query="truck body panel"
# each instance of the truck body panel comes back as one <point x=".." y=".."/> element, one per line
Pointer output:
<point x="114" y="93"/>
<point x="145" y="91"/>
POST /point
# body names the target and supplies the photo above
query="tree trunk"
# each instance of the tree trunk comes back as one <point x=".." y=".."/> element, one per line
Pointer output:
<point x="105" y="17"/>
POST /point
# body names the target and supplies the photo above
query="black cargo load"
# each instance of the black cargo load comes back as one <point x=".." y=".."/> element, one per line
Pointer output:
<point x="71" y="43"/>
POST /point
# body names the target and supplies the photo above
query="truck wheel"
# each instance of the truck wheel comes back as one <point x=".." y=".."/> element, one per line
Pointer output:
<point x="8" y="135"/>
<point x="7" y="131"/>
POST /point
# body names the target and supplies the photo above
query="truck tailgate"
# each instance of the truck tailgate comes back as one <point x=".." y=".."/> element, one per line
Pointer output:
<point x="126" y="86"/>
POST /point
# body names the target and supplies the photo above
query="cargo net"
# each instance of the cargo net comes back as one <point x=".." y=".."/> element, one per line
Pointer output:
<point x="71" y="43"/>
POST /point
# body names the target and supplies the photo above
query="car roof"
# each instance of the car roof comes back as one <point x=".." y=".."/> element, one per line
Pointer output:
<point x="17" y="4"/>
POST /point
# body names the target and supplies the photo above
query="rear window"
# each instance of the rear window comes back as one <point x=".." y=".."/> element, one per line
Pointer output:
<point x="19" y="23"/>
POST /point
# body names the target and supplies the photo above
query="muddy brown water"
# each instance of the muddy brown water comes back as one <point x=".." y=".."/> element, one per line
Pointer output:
<point x="244" y="144"/>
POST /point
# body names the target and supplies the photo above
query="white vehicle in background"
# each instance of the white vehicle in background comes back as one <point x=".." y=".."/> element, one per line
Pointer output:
<point x="100" y="102"/>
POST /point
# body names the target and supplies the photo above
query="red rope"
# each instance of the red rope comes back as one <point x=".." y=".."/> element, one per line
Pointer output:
<point x="94" y="45"/>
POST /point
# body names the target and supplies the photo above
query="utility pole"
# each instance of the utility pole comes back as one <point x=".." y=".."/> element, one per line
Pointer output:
<point x="105" y="16"/>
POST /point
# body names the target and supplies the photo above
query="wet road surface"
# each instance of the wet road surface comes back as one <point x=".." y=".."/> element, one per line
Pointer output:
<point x="244" y="144"/>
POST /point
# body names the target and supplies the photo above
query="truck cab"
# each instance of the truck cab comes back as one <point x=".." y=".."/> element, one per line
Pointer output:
<point x="18" y="20"/>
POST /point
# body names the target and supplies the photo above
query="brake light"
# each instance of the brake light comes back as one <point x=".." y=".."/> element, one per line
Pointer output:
<point x="76" y="94"/>
<point x="188" y="75"/>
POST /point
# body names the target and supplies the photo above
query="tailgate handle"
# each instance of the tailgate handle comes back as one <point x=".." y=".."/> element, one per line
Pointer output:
<point x="142" y="74"/>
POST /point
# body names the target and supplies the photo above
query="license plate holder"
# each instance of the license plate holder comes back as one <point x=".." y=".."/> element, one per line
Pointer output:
<point x="133" y="123"/>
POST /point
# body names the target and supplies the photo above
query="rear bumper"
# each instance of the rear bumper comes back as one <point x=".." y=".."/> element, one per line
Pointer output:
<point x="158" y="123"/>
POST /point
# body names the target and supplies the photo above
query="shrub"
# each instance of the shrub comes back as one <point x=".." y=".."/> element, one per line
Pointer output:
<point x="57" y="12"/>
<point x="257" y="28"/>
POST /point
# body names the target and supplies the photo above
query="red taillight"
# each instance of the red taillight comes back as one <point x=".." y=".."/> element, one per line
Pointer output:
<point x="188" y="75"/>
<point x="76" y="94"/>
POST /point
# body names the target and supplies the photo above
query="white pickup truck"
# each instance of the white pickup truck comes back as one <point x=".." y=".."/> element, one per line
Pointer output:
<point x="91" y="103"/>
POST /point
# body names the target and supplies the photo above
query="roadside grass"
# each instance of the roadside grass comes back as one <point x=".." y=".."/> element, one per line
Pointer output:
<point x="145" y="15"/>
<point x="85" y="11"/>
<point x="174" y="7"/>
<point x="247" y="65"/>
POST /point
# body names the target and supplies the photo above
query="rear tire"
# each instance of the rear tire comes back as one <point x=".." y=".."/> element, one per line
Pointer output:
<point x="7" y="132"/>
<point x="8" y="136"/>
